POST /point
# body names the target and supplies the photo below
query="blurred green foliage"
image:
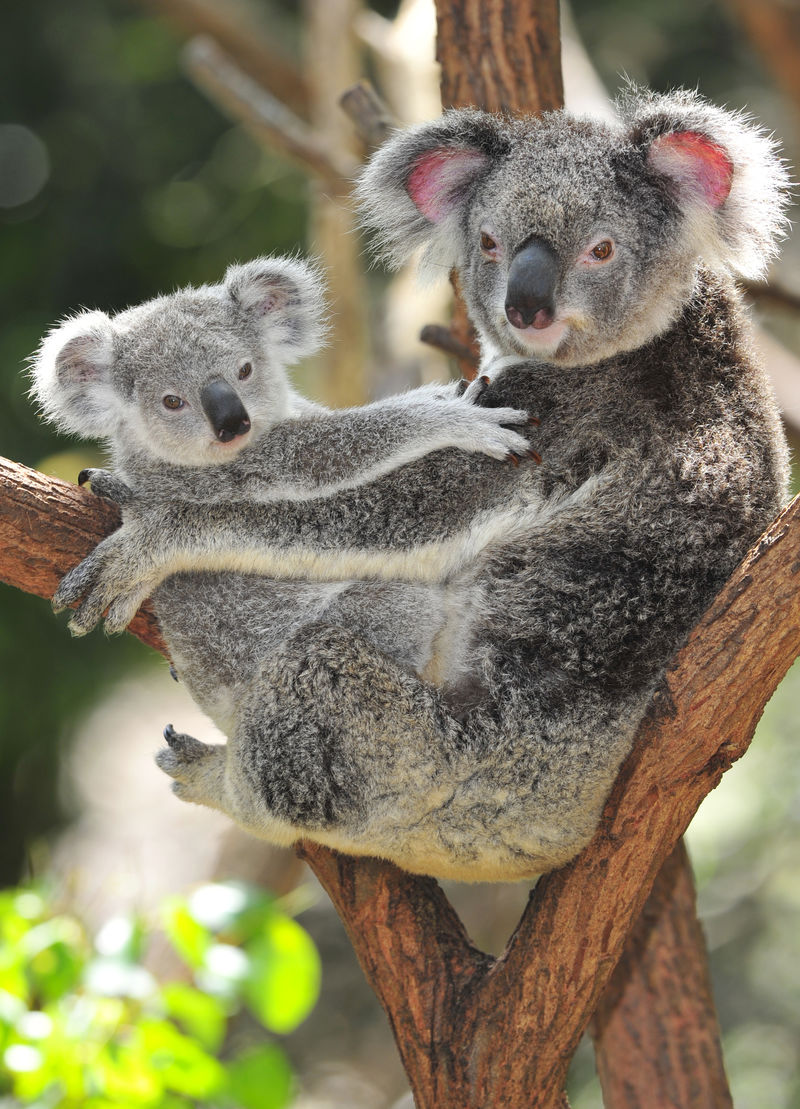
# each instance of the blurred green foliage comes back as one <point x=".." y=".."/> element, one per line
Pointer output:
<point x="118" y="180"/>
<point x="85" y="1025"/>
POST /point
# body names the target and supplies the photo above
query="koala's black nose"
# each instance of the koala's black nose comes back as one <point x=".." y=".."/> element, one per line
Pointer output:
<point x="531" y="285"/>
<point x="227" y="414"/>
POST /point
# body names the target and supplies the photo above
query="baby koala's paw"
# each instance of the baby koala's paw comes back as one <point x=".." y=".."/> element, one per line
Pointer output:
<point x="498" y="432"/>
<point x="105" y="484"/>
<point x="503" y="420"/>
<point x="198" y="769"/>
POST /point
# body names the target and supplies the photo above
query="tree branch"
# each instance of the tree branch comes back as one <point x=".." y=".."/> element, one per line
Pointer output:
<point x="242" y="41"/>
<point x="655" y="1029"/>
<point x="247" y="102"/>
<point x="498" y="56"/>
<point x="438" y="990"/>
<point x="371" y="117"/>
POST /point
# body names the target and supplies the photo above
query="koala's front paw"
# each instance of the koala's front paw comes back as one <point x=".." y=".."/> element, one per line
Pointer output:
<point x="198" y="769"/>
<point x="105" y="484"/>
<point x="114" y="577"/>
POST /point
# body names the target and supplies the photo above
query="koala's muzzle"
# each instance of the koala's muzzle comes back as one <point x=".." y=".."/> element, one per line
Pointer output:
<point x="530" y="293"/>
<point x="225" y="411"/>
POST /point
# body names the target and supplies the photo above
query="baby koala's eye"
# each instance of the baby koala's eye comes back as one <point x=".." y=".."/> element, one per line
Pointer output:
<point x="172" y="402"/>
<point x="245" y="371"/>
<point x="488" y="244"/>
<point x="603" y="251"/>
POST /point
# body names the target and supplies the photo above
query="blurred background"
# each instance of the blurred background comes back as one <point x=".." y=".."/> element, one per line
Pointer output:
<point x="134" y="159"/>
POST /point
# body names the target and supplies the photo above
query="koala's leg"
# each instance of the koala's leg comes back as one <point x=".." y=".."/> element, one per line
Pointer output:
<point x="328" y="731"/>
<point x="346" y="747"/>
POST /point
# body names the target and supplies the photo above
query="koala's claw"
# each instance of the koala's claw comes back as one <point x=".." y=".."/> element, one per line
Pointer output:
<point x="197" y="768"/>
<point x="123" y="609"/>
<point x="515" y="457"/>
<point x="105" y="484"/>
<point x="74" y="584"/>
<point x="476" y="389"/>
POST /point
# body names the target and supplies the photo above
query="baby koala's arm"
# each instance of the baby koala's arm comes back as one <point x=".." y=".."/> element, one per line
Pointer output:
<point x="320" y="452"/>
<point x="418" y="523"/>
<point x="334" y="451"/>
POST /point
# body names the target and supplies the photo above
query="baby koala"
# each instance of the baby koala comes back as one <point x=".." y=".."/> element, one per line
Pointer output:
<point x="191" y="393"/>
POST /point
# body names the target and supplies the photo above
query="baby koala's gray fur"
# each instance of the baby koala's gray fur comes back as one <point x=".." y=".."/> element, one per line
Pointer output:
<point x="109" y="377"/>
<point x="597" y="262"/>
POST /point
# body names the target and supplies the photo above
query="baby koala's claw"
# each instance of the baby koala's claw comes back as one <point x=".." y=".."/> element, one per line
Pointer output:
<point x="105" y="484"/>
<point x="515" y="457"/>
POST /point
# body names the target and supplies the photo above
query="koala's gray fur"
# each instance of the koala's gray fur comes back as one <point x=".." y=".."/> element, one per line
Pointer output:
<point x="564" y="588"/>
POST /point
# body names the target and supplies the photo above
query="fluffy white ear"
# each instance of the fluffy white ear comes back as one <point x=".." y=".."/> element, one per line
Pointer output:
<point x="414" y="188"/>
<point x="72" y="376"/>
<point x="723" y="171"/>
<point x="284" y="297"/>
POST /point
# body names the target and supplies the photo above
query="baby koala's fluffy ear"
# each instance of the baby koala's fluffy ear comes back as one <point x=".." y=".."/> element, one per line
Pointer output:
<point x="285" y="298"/>
<point x="72" y="375"/>
<point x="416" y="185"/>
<point x="723" y="171"/>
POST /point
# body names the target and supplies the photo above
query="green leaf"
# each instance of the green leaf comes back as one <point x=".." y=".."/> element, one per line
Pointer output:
<point x="56" y="952"/>
<point x="235" y="908"/>
<point x="189" y="938"/>
<point x="119" y="978"/>
<point x="203" y="1016"/>
<point x="283" y="984"/>
<point x="126" y="1075"/>
<point x="260" y="1079"/>
<point x="180" y="1062"/>
<point x="121" y="937"/>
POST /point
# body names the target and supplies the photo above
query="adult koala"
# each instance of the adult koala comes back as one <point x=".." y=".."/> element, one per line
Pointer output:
<point x="597" y="263"/>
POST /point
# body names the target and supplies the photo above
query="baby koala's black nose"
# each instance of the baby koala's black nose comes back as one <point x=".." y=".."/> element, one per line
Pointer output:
<point x="225" y="411"/>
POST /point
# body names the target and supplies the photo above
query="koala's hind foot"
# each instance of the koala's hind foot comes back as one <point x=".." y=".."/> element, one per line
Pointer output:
<point x="198" y="768"/>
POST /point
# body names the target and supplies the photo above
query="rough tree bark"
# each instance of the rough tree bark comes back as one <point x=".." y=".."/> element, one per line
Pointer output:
<point x="655" y="1030"/>
<point x="515" y="1020"/>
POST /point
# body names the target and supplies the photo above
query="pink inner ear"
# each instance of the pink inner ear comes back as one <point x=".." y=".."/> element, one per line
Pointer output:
<point x="274" y="299"/>
<point x="434" y="181"/>
<point x="695" y="163"/>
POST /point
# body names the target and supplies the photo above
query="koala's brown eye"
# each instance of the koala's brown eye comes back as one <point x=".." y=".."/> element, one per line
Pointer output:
<point x="603" y="251"/>
<point x="245" y="371"/>
<point x="172" y="402"/>
<point x="488" y="244"/>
